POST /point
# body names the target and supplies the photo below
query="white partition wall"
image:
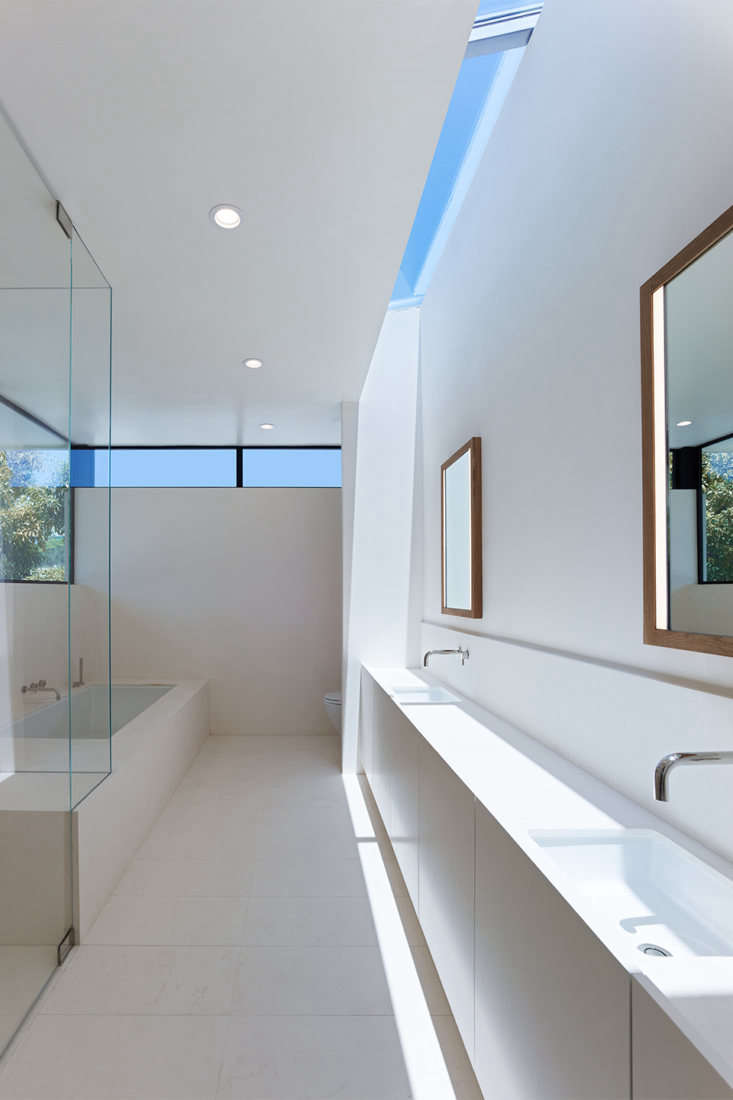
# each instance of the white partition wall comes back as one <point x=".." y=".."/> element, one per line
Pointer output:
<point x="382" y="569"/>
<point x="251" y="600"/>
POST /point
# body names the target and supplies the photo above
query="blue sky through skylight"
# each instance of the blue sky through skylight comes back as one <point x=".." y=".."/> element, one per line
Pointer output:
<point x="493" y="7"/>
<point x="469" y="108"/>
<point x="469" y="96"/>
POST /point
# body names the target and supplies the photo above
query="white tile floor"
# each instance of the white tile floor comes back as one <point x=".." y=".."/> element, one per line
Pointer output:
<point x="23" y="971"/>
<point x="238" y="958"/>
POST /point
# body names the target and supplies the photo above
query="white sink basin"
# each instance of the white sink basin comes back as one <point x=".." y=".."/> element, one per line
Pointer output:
<point x="658" y="893"/>
<point x="408" y="696"/>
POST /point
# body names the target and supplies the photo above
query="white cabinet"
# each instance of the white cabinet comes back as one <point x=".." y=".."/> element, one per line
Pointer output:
<point x="552" y="1006"/>
<point x="403" y="766"/>
<point x="367" y="732"/>
<point x="445" y="905"/>
<point x="377" y="717"/>
<point x="666" y="1065"/>
<point x="544" y="1011"/>
<point x="389" y="754"/>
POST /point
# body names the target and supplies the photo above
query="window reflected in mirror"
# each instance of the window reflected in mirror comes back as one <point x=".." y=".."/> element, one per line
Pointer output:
<point x="687" y="374"/>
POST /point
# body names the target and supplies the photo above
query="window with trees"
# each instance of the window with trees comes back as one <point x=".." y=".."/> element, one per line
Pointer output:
<point x="716" y="512"/>
<point x="34" y="514"/>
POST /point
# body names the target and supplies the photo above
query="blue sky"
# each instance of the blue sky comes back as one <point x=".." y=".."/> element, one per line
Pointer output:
<point x="469" y="96"/>
<point x="266" y="467"/>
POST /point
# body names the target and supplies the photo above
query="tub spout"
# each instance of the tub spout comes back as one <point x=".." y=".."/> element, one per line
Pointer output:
<point x="37" y="688"/>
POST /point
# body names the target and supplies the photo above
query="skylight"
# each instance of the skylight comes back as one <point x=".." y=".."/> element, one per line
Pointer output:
<point x="492" y="57"/>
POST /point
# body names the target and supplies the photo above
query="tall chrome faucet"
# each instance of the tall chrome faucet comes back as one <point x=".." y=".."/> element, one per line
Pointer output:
<point x="461" y="652"/>
<point x="672" y="759"/>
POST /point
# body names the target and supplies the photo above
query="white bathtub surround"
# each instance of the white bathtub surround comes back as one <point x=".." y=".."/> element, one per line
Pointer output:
<point x="39" y="742"/>
<point x="57" y="883"/>
<point x="35" y="872"/>
<point x="151" y="753"/>
<point x="238" y="957"/>
<point x="650" y="888"/>
<point x="251" y="600"/>
<point x="23" y="972"/>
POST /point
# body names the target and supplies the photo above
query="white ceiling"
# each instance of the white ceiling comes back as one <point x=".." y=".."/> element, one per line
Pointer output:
<point x="318" y="119"/>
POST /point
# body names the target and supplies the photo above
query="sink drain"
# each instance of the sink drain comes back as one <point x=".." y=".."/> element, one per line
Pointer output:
<point x="654" y="949"/>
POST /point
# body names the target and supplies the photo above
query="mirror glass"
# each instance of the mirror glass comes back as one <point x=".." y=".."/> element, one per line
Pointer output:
<point x="698" y="358"/>
<point x="457" y="532"/>
<point x="461" y="535"/>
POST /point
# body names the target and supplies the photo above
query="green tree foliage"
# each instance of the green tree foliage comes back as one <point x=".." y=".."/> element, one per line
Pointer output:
<point x="717" y="484"/>
<point x="30" y="516"/>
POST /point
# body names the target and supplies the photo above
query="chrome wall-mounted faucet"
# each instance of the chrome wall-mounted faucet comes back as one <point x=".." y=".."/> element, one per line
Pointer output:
<point x="672" y="759"/>
<point x="461" y="652"/>
<point x="39" y="687"/>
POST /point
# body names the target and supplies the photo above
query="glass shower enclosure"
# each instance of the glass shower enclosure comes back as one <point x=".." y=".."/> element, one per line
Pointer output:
<point x="55" y="744"/>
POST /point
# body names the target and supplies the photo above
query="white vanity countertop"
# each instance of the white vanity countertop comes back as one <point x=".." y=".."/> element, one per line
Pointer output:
<point x="529" y="788"/>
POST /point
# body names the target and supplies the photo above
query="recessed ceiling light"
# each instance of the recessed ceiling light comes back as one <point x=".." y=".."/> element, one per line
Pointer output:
<point x="253" y="364"/>
<point x="683" y="423"/>
<point x="225" y="216"/>
<point x="267" y="427"/>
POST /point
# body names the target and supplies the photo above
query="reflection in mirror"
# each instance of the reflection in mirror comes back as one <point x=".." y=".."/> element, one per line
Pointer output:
<point x="457" y="532"/>
<point x="687" y="329"/>
<point x="461" y="532"/>
<point x="699" y="350"/>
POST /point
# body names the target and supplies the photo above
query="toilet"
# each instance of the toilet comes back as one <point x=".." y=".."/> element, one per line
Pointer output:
<point x="332" y="703"/>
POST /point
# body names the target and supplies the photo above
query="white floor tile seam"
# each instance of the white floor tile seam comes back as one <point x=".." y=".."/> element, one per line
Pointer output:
<point x="232" y="1015"/>
<point x="247" y="895"/>
<point x="222" y="944"/>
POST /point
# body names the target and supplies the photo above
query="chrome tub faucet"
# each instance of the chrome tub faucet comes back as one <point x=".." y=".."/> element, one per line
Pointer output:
<point x="460" y="652"/>
<point x="672" y="759"/>
<point x="38" y="687"/>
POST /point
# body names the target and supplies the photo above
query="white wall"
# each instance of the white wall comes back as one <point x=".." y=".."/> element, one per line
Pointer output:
<point x="34" y="641"/>
<point x="241" y="587"/>
<point x="349" y="428"/>
<point x="384" y="567"/>
<point x="607" y="159"/>
<point x="612" y="152"/>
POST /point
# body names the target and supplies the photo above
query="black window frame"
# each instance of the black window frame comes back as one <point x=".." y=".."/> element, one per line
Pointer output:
<point x="238" y="448"/>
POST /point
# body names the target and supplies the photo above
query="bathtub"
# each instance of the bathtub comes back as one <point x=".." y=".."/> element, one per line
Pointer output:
<point x="89" y="711"/>
<point x="39" y="741"/>
<point x="150" y="755"/>
<point x="158" y="729"/>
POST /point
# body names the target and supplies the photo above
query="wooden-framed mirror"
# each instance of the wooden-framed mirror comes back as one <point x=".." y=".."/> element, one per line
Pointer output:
<point x="461" y="541"/>
<point x="687" y="445"/>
